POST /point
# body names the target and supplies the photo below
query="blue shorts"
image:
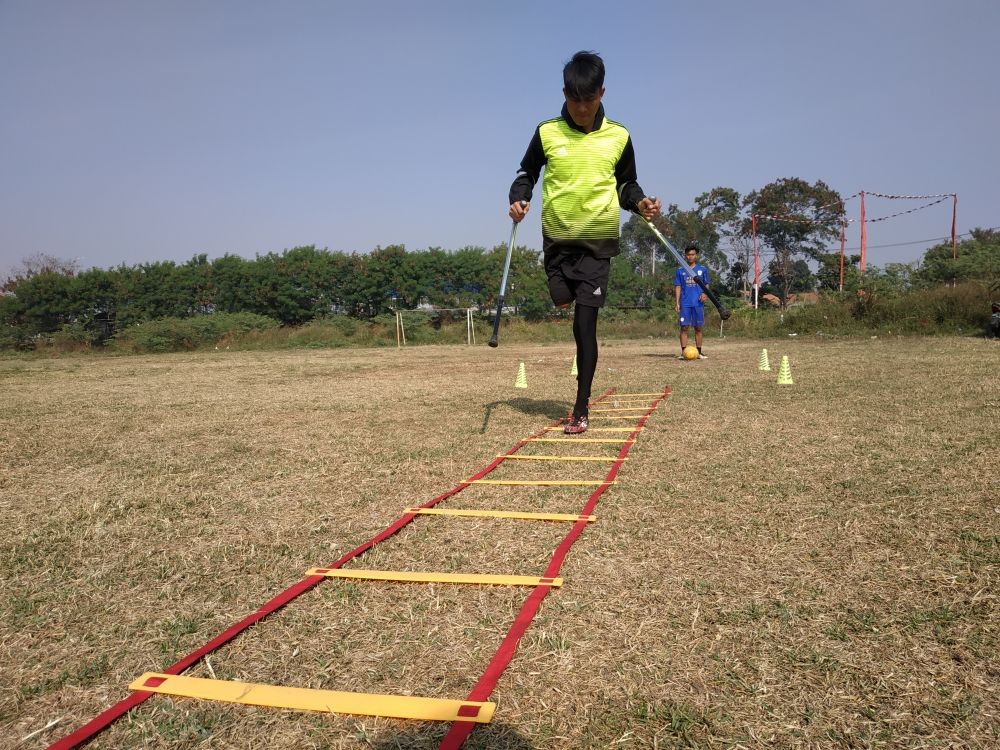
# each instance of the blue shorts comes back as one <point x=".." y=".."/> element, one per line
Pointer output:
<point x="692" y="316"/>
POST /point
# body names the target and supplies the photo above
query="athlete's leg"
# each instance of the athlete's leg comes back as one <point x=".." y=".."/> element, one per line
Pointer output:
<point x="585" y="333"/>
<point x="698" y="321"/>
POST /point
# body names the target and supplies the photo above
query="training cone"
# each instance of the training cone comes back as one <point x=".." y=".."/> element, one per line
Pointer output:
<point x="522" y="377"/>
<point x="574" y="372"/>
<point x="785" y="372"/>
<point x="764" y="365"/>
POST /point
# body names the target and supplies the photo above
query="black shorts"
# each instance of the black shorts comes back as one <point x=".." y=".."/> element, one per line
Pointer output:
<point x="576" y="275"/>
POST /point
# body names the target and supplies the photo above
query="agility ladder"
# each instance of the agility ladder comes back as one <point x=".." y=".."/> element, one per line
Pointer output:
<point x="463" y="714"/>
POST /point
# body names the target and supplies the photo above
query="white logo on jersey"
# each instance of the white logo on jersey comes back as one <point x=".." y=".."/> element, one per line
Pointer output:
<point x="597" y="292"/>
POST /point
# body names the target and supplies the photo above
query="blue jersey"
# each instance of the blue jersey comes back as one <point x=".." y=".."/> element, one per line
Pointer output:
<point x="690" y="291"/>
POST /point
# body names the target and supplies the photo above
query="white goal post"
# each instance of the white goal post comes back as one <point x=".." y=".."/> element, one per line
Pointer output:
<point x="470" y="325"/>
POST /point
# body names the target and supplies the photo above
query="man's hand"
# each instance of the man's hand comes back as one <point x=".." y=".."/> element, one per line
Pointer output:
<point x="703" y="298"/>
<point x="518" y="210"/>
<point x="648" y="207"/>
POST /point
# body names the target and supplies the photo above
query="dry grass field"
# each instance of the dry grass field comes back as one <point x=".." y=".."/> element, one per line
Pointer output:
<point x="805" y="566"/>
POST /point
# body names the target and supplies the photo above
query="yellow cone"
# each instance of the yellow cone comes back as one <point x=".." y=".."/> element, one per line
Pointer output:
<point x="522" y="377"/>
<point x="574" y="372"/>
<point x="785" y="372"/>
<point x="765" y="365"/>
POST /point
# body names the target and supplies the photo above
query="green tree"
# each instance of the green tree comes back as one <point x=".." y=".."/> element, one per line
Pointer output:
<point x="383" y="284"/>
<point x="736" y="280"/>
<point x="151" y="291"/>
<point x="639" y="247"/>
<point x="292" y="286"/>
<point x="828" y="273"/>
<point x="649" y="275"/>
<point x="721" y="208"/>
<point x="198" y="284"/>
<point x="630" y="289"/>
<point x="96" y="297"/>
<point x="234" y="279"/>
<point x="793" y="278"/>
<point x="37" y="297"/>
<point x="527" y="288"/>
<point x="796" y="220"/>
<point x="41" y="303"/>
<point x="974" y="259"/>
<point x="645" y="253"/>
<point x="457" y="279"/>
<point x="897" y="277"/>
<point x="343" y="281"/>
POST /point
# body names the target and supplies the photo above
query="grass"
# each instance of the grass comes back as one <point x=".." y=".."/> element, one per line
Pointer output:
<point x="812" y="565"/>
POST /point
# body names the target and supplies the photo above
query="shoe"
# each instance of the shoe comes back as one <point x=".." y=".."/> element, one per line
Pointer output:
<point x="680" y="356"/>
<point x="701" y="356"/>
<point x="576" y="425"/>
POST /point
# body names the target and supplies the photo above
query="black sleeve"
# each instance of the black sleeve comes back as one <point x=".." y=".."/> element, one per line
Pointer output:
<point x="531" y="168"/>
<point x="629" y="192"/>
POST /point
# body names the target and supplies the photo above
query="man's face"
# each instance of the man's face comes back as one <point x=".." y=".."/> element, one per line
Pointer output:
<point x="583" y="111"/>
<point x="691" y="256"/>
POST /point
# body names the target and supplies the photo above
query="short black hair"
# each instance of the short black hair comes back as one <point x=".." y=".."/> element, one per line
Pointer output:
<point x="692" y="246"/>
<point x="583" y="76"/>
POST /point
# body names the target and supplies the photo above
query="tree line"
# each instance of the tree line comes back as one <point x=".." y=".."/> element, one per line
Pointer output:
<point x="301" y="284"/>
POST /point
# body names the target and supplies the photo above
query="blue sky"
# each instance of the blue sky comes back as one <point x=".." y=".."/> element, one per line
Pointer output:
<point x="144" y="131"/>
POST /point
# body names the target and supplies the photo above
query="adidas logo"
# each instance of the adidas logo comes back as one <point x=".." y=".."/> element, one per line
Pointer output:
<point x="597" y="292"/>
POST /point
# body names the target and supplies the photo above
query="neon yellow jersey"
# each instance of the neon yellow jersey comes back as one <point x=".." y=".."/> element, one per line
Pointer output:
<point x="579" y="189"/>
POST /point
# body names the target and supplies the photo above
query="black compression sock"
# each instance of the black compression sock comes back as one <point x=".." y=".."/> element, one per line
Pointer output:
<point x="585" y="333"/>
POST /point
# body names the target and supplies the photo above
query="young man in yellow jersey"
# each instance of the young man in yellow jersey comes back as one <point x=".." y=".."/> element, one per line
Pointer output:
<point x="590" y="173"/>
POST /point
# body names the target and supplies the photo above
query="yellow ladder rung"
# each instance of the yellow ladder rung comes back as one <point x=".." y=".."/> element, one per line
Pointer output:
<point x="600" y="429"/>
<point x="633" y="417"/>
<point x="629" y="408"/>
<point x="580" y="440"/>
<point x="502" y="514"/>
<point x="434" y="577"/>
<point x="538" y="483"/>
<point x="307" y="699"/>
<point x="518" y="457"/>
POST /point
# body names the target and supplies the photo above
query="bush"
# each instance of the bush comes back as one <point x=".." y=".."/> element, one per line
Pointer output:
<point x="181" y="334"/>
<point x="13" y="338"/>
<point x="535" y="308"/>
<point x="946" y="310"/>
<point x="72" y="337"/>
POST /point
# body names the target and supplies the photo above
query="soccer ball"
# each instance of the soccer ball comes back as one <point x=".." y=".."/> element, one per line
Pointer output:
<point x="690" y="352"/>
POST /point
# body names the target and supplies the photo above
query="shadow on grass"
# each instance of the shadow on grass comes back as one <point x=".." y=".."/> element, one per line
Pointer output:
<point x="553" y="410"/>
<point x="483" y="737"/>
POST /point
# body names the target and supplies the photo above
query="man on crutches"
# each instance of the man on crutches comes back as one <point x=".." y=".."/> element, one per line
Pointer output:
<point x="589" y="173"/>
